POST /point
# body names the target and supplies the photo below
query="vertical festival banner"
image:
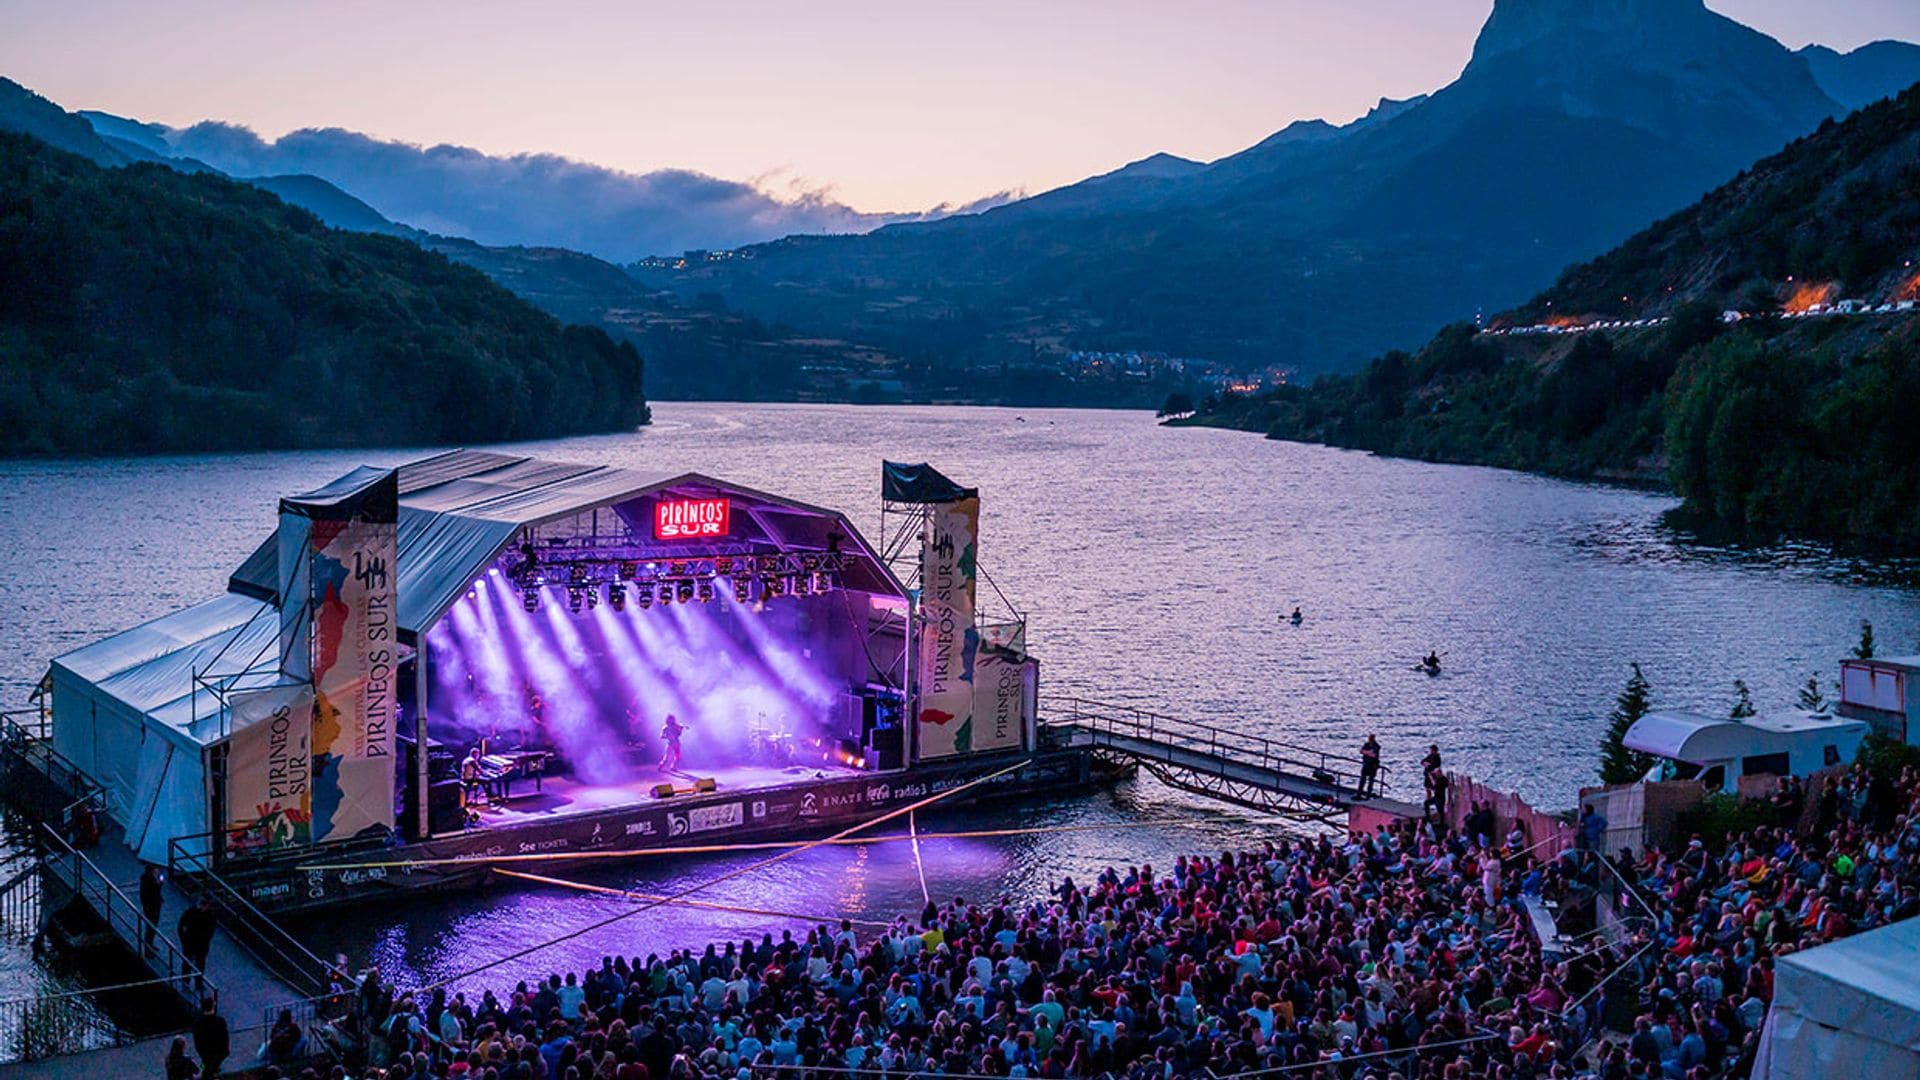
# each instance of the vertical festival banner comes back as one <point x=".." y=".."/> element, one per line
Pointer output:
<point x="269" y="796"/>
<point x="999" y="716"/>
<point x="949" y="643"/>
<point x="354" y="650"/>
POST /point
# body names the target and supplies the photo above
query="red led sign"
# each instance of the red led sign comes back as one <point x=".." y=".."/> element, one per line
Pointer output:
<point x="690" y="519"/>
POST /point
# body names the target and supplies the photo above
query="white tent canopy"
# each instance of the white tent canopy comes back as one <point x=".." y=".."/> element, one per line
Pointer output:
<point x="136" y="711"/>
<point x="1851" y="1008"/>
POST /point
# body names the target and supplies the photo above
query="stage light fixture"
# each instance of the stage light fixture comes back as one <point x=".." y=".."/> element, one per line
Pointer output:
<point x="723" y="565"/>
<point x="644" y="594"/>
<point x="685" y="592"/>
<point x="706" y="590"/>
<point x="796" y="585"/>
<point x="617" y="596"/>
<point x="593" y="597"/>
<point x="743" y="589"/>
<point x="666" y="593"/>
<point x="530" y="598"/>
<point x="770" y="587"/>
<point x="627" y="570"/>
<point x="820" y="582"/>
<point x="575" y="597"/>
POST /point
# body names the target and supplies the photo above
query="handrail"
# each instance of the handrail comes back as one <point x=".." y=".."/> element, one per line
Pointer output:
<point x="125" y="920"/>
<point x="92" y="990"/>
<point x="33" y="740"/>
<point x="1105" y="720"/>
<point x="46" y="1026"/>
<point x="259" y="922"/>
<point x="39" y="728"/>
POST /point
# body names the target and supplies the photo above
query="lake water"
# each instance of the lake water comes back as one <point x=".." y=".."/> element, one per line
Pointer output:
<point x="1155" y="566"/>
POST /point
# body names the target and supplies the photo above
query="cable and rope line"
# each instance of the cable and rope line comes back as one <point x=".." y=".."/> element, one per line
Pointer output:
<point x="601" y="924"/>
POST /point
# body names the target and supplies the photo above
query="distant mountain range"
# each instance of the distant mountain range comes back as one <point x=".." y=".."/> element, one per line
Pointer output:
<point x="1687" y="355"/>
<point x="1575" y="123"/>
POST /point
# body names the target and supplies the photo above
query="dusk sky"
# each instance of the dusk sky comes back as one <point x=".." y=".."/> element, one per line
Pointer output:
<point x="886" y="105"/>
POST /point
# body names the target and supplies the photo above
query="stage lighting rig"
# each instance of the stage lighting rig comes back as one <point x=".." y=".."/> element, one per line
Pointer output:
<point x="666" y="593"/>
<point x="617" y="596"/>
<point x="530" y="598"/>
<point x="575" y="597"/>
<point x="684" y="592"/>
<point x="743" y="589"/>
<point x="644" y="594"/>
<point x="706" y="590"/>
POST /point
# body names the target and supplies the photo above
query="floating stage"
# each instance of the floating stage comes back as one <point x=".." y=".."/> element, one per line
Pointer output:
<point x="476" y="655"/>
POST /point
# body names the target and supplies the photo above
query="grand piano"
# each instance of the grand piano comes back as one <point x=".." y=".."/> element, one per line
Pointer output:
<point x="499" y="769"/>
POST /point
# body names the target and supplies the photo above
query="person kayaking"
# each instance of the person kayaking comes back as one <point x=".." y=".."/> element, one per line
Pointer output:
<point x="1296" y="618"/>
<point x="1431" y="665"/>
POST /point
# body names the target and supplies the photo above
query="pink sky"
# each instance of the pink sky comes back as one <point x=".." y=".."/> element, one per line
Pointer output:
<point x="889" y="105"/>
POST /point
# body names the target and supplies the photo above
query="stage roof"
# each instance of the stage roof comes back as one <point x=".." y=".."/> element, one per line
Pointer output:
<point x="460" y="510"/>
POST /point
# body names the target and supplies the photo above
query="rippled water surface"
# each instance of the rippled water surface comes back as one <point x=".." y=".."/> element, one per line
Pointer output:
<point x="1155" y="565"/>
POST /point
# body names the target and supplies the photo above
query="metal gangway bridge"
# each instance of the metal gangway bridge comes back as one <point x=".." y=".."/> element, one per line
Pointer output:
<point x="1233" y="766"/>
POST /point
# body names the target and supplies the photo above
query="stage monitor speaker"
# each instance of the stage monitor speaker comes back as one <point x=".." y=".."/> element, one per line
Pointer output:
<point x="663" y="791"/>
<point x="446" y="812"/>
<point x="886" y="751"/>
<point x="705" y="784"/>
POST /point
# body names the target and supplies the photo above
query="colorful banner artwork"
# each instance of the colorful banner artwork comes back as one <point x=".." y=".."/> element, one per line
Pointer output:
<point x="948" y="640"/>
<point x="268" y="765"/>
<point x="353" y="633"/>
<point x="999" y="698"/>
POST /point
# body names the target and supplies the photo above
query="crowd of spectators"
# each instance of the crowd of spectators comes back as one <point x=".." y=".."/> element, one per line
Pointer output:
<point x="1409" y="953"/>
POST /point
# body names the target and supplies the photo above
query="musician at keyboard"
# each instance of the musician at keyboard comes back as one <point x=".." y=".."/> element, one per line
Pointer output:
<point x="472" y="774"/>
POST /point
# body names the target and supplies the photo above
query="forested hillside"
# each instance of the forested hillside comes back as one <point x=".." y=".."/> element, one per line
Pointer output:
<point x="143" y="309"/>
<point x="1779" y="422"/>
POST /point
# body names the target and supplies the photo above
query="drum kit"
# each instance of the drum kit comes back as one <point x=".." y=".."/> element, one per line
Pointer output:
<point x="771" y="744"/>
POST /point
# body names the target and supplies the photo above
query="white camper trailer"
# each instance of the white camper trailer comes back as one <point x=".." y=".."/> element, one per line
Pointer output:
<point x="1718" y="751"/>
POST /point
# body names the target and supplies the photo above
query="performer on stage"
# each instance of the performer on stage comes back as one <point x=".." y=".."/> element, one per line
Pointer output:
<point x="670" y="732"/>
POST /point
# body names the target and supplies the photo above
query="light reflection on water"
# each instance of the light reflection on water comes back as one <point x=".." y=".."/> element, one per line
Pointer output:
<point x="1155" y="565"/>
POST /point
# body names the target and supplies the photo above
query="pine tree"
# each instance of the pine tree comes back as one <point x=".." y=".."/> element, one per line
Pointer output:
<point x="1618" y="763"/>
<point x="1742" y="700"/>
<point x="1811" y="699"/>
<point x="1864" y="650"/>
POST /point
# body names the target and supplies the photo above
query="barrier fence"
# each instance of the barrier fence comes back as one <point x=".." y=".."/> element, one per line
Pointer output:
<point x="49" y="1025"/>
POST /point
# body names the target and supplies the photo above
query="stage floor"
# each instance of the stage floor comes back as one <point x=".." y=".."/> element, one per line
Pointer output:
<point x="565" y="796"/>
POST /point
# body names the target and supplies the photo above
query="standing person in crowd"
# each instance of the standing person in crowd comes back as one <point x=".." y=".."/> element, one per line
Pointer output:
<point x="152" y="900"/>
<point x="1370" y="767"/>
<point x="210" y="1039"/>
<point x="180" y="1065"/>
<point x="196" y="935"/>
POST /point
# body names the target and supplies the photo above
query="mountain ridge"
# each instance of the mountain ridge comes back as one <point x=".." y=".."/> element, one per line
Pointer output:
<point x="1319" y="246"/>
<point x="1767" y="421"/>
